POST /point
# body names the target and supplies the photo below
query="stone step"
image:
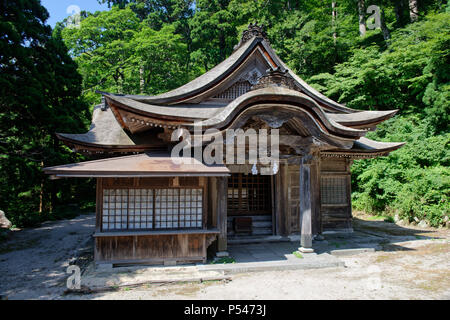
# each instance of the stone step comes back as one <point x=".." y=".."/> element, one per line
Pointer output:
<point x="255" y="231"/>
<point x="256" y="239"/>
<point x="255" y="224"/>
<point x="262" y="231"/>
<point x="254" y="218"/>
<point x="262" y="224"/>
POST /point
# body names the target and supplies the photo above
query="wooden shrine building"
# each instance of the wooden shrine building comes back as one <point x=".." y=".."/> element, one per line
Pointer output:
<point x="152" y="209"/>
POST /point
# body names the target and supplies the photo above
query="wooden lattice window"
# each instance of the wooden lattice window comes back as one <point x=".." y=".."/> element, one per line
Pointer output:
<point x="147" y="209"/>
<point x="236" y="90"/>
<point x="249" y="194"/>
<point x="333" y="190"/>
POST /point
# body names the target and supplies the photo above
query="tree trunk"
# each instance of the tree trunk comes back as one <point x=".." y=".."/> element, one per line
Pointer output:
<point x="121" y="83"/>
<point x="399" y="12"/>
<point x="362" y="17"/>
<point x="334" y="16"/>
<point x="222" y="48"/>
<point x="53" y="191"/>
<point x="41" y="192"/>
<point x="413" y="10"/>
<point x="384" y="28"/>
<point x="141" y="80"/>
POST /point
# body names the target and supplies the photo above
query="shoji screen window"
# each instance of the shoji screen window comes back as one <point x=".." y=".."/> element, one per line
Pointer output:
<point x="149" y="209"/>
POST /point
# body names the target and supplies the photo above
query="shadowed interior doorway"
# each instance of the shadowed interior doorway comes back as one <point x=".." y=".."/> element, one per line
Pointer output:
<point x="249" y="206"/>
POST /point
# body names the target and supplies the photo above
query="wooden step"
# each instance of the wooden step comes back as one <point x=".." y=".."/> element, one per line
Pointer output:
<point x="261" y="226"/>
<point x="254" y="218"/>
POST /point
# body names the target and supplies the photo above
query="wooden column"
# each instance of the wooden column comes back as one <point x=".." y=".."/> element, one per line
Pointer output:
<point x="306" y="204"/>
<point x="222" y="189"/>
<point x="281" y="200"/>
<point x="315" y="198"/>
<point x="99" y="205"/>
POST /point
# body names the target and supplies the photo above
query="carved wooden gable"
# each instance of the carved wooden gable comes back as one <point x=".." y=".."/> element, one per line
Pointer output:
<point x="237" y="89"/>
<point x="242" y="81"/>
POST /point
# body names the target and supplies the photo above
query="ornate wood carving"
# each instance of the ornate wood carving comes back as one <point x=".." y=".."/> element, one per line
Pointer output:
<point x="276" y="78"/>
<point x="237" y="89"/>
<point x="242" y="86"/>
<point x="274" y="121"/>
<point x="252" y="31"/>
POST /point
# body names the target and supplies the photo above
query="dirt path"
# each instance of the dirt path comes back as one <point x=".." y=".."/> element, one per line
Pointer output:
<point x="409" y="264"/>
<point x="33" y="262"/>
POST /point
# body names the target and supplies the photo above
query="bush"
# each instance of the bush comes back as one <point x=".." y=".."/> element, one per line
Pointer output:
<point x="412" y="75"/>
<point x="413" y="181"/>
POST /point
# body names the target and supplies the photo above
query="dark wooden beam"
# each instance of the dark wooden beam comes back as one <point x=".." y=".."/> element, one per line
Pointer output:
<point x="222" y="186"/>
<point x="307" y="177"/>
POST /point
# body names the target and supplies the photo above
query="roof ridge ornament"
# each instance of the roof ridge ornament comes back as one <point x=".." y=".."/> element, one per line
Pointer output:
<point x="253" y="30"/>
<point x="278" y="77"/>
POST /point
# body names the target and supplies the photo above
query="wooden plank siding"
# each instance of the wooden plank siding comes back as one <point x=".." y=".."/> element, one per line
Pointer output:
<point x="152" y="249"/>
<point x="293" y="207"/>
<point x="338" y="214"/>
<point x="156" y="246"/>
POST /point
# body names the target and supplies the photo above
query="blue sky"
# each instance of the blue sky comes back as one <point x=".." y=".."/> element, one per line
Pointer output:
<point x="58" y="8"/>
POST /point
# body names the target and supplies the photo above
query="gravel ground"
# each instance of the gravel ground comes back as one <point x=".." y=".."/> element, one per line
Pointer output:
<point x="411" y="264"/>
<point x="33" y="262"/>
<point x="422" y="273"/>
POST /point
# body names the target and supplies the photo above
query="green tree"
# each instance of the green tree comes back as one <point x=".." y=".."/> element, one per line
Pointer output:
<point x="117" y="52"/>
<point x="413" y="75"/>
<point x="39" y="95"/>
<point x="162" y="55"/>
<point x="213" y="32"/>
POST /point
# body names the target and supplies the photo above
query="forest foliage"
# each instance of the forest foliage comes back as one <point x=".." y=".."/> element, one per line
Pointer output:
<point x="49" y="78"/>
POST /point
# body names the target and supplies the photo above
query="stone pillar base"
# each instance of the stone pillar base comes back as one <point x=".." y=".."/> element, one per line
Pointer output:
<point x="306" y="240"/>
<point x="222" y="254"/>
<point x="103" y="266"/>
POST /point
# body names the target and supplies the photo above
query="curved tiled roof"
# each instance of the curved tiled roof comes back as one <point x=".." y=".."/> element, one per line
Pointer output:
<point x="203" y="82"/>
<point x="277" y="95"/>
<point x="365" y="148"/>
<point x="192" y="104"/>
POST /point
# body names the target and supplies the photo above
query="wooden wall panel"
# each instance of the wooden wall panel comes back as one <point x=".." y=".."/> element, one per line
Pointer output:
<point x="152" y="248"/>
<point x="163" y="182"/>
<point x="281" y="200"/>
<point x="336" y="215"/>
<point x="294" y="199"/>
<point x="334" y="165"/>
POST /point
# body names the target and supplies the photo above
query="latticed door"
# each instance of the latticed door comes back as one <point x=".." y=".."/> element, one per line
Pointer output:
<point x="249" y="195"/>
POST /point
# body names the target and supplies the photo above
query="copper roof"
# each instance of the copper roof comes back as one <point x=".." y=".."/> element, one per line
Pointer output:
<point x="141" y="165"/>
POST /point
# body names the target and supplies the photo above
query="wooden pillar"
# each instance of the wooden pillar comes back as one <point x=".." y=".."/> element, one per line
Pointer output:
<point x="222" y="189"/>
<point x="306" y="204"/>
<point x="281" y="200"/>
<point x="315" y="197"/>
<point x="212" y="202"/>
<point x="99" y="205"/>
